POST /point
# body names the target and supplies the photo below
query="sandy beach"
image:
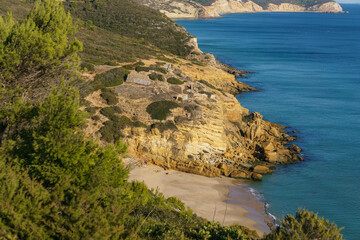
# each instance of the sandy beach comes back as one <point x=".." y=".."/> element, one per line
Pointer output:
<point x="218" y="199"/>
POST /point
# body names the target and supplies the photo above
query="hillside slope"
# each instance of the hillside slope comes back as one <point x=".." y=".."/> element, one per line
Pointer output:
<point x="215" y="8"/>
<point x="129" y="68"/>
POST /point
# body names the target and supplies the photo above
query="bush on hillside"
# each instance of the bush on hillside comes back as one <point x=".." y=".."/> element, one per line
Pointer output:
<point x="134" y="20"/>
<point x="133" y="66"/>
<point x="191" y="108"/>
<point x="156" y="76"/>
<point x="111" y="78"/>
<point x="161" y="109"/>
<point x="87" y="67"/>
<point x="175" y="81"/>
<point x="111" y="131"/>
<point x="305" y="225"/>
<point x="158" y="68"/>
<point x="208" y="84"/>
<point x="91" y="110"/>
<point x="109" y="96"/>
<point x="110" y="112"/>
<point x="142" y="69"/>
<point x="34" y="51"/>
<point x="163" y="126"/>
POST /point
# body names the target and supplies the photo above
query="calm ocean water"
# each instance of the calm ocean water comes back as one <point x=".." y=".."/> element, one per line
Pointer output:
<point x="308" y="70"/>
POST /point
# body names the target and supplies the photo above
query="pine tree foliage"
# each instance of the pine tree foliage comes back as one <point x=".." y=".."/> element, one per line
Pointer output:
<point x="40" y="42"/>
<point x="305" y="226"/>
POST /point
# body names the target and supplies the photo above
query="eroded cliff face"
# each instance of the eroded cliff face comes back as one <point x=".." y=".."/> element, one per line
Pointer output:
<point x="209" y="133"/>
<point x="330" y="7"/>
<point x="189" y="9"/>
<point x="220" y="7"/>
<point x="176" y="8"/>
<point x="285" y="7"/>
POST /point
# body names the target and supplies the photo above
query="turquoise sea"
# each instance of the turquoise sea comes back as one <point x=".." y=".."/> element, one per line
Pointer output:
<point x="307" y="66"/>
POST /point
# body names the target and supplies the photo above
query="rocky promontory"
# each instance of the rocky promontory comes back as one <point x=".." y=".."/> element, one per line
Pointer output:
<point x="193" y="8"/>
<point x="182" y="114"/>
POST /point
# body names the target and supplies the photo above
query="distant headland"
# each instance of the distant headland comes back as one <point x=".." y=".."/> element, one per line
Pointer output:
<point x="215" y="8"/>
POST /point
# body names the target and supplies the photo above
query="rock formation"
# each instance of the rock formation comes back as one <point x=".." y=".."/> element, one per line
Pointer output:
<point x="192" y="9"/>
<point x="209" y="133"/>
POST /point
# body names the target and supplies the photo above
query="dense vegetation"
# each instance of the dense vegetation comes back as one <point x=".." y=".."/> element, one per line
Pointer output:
<point x="305" y="225"/>
<point x="111" y="78"/>
<point x="175" y="81"/>
<point x="304" y="3"/>
<point x="133" y="20"/>
<point x="55" y="182"/>
<point x="34" y="51"/>
<point x="156" y="76"/>
<point x="161" y="109"/>
<point x="109" y="95"/>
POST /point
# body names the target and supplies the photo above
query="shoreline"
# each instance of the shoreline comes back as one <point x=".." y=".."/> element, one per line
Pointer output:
<point x="219" y="199"/>
<point x="265" y="11"/>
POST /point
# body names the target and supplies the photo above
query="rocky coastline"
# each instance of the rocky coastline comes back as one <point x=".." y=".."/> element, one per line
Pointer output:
<point x="180" y="9"/>
<point x="207" y="133"/>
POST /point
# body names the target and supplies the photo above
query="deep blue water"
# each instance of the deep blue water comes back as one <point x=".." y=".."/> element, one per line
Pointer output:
<point x="308" y="70"/>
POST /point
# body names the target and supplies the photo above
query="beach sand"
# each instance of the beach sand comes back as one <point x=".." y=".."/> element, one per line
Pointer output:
<point x="219" y="199"/>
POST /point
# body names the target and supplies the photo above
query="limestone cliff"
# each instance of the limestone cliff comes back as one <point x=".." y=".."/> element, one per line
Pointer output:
<point x="285" y="7"/>
<point x="207" y="133"/>
<point x="330" y="7"/>
<point x="220" y="7"/>
<point x="192" y="9"/>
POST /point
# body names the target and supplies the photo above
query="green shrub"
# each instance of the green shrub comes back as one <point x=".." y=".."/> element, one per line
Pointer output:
<point x="95" y="117"/>
<point x="133" y="66"/>
<point x="156" y="76"/>
<point x="305" y="225"/>
<point x="158" y="68"/>
<point x="142" y="69"/>
<point x="111" y="131"/>
<point x="164" y="126"/>
<point x="111" y="63"/>
<point x="37" y="43"/>
<point x="161" y="109"/>
<point x="111" y="78"/>
<point x="191" y="108"/>
<point x="87" y="67"/>
<point x="91" y="110"/>
<point x="175" y="81"/>
<point x="128" y="67"/>
<point x="134" y="20"/>
<point x="139" y="124"/>
<point x="110" y="112"/>
<point x="208" y="84"/>
<point x="109" y="96"/>
<point x="247" y="118"/>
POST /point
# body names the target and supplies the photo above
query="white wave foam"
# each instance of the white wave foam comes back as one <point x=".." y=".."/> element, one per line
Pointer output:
<point x="256" y="194"/>
<point x="273" y="217"/>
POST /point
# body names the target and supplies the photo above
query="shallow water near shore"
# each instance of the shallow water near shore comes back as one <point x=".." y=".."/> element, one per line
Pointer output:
<point x="308" y="70"/>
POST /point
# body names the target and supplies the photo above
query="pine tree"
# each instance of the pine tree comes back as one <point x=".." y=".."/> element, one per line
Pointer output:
<point x="43" y="41"/>
<point x="305" y="226"/>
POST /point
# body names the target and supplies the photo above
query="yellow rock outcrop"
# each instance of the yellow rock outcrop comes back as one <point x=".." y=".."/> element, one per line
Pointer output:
<point x="209" y="134"/>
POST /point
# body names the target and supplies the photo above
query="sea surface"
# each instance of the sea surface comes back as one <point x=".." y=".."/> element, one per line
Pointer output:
<point x="307" y="66"/>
